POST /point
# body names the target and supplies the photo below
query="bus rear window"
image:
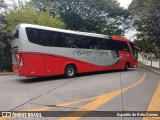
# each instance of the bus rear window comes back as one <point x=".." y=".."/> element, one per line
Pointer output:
<point x="15" y="34"/>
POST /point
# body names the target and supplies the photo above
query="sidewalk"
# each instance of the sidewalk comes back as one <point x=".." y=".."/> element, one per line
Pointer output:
<point x="156" y="70"/>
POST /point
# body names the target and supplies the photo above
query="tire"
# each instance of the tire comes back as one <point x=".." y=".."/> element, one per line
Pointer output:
<point x="126" y="67"/>
<point x="70" y="71"/>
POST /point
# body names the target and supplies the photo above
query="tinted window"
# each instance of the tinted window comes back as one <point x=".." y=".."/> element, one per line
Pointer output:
<point x="58" y="39"/>
<point x="77" y="41"/>
<point x="31" y="34"/>
<point x="84" y="41"/>
<point x="134" y="50"/>
<point x="38" y="36"/>
<point x="106" y="44"/>
<point x="120" y="45"/>
<point x="101" y="43"/>
<point x="95" y="43"/>
<point x="71" y="41"/>
<point x="124" y="46"/>
<point x="42" y="37"/>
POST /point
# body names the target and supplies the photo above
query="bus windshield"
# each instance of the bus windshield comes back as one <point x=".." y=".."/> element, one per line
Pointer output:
<point x="134" y="50"/>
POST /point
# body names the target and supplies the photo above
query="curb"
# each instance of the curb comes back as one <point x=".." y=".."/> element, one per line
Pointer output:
<point x="155" y="70"/>
<point x="6" y="73"/>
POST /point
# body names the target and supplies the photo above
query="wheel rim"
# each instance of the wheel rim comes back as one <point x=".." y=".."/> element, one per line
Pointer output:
<point x="70" y="71"/>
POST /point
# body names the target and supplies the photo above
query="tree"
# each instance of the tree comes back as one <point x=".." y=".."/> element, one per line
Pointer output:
<point x="2" y="5"/>
<point x="147" y="16"/>
<point x="28" y="14"/>
<point x="22" y="13"/>
<point x="100" y="16"/>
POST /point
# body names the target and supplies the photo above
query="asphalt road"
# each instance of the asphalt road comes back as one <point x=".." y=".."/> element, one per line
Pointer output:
<point x="134" y="90"/>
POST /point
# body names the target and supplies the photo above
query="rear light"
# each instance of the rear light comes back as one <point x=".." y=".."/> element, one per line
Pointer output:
<point x="19" y="60"/>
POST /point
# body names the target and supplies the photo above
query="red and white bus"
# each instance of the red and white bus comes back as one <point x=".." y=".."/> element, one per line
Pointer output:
<point x="45" y="51"/>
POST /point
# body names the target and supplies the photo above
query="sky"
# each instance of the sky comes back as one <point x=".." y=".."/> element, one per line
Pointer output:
<point x="124" y="3"/>
<point x="130" y="33"/>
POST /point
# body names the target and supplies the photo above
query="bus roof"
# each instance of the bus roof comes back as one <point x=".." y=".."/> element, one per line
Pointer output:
<point x="121" y="39"/>
<point x="65" y="31"/>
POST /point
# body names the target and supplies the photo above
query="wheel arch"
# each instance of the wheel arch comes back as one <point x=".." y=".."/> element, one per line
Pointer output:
<point x="128" y="63"/>
<point x="71" y="64"/>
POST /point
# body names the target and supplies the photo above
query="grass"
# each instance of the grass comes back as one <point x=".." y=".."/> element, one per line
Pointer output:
<point x="139" y="62"/>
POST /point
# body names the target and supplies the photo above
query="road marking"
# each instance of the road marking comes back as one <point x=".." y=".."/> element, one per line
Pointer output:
<point x="4" y="118"/>
<point x="154" y="104"/>
<point x="59" y="105"/>
<point x="97" y="101"/>
<point x="62" y="105"/>
<point x="102" y="99"/>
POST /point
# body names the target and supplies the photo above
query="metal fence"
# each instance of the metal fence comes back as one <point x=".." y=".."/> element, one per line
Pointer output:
<point x="150" y="61"/>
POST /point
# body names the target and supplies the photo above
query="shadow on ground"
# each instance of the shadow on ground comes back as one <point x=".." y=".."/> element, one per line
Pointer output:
<point x="62" y="77"/>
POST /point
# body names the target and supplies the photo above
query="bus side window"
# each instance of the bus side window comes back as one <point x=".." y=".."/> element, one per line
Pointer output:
<point x="31" y="34"/>
<point x="120" y="45"/>
<point x="83" y="42"/>
<point x="71" y="41"/>
<point x="106" y="44"/>
<point x="52" y="39"/>
<point x="57" y="39"/>
<point x="95" y="43"/>
<point x="61" y="40"/>
<point x="42" y="37"/>
<point x="38" y="36"/>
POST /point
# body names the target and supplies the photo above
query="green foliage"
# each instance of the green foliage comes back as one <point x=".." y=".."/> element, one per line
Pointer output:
<point x="99" y="16"/>
<point x="22" y="13"/>
<point x="2" y="4"/>
<point x="27" y="14"/>
<point x="147" y="16"/>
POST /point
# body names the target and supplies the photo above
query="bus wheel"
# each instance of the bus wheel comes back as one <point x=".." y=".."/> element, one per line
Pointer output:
<point x="70" y="71"/>
<point x="126" y="67"/>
